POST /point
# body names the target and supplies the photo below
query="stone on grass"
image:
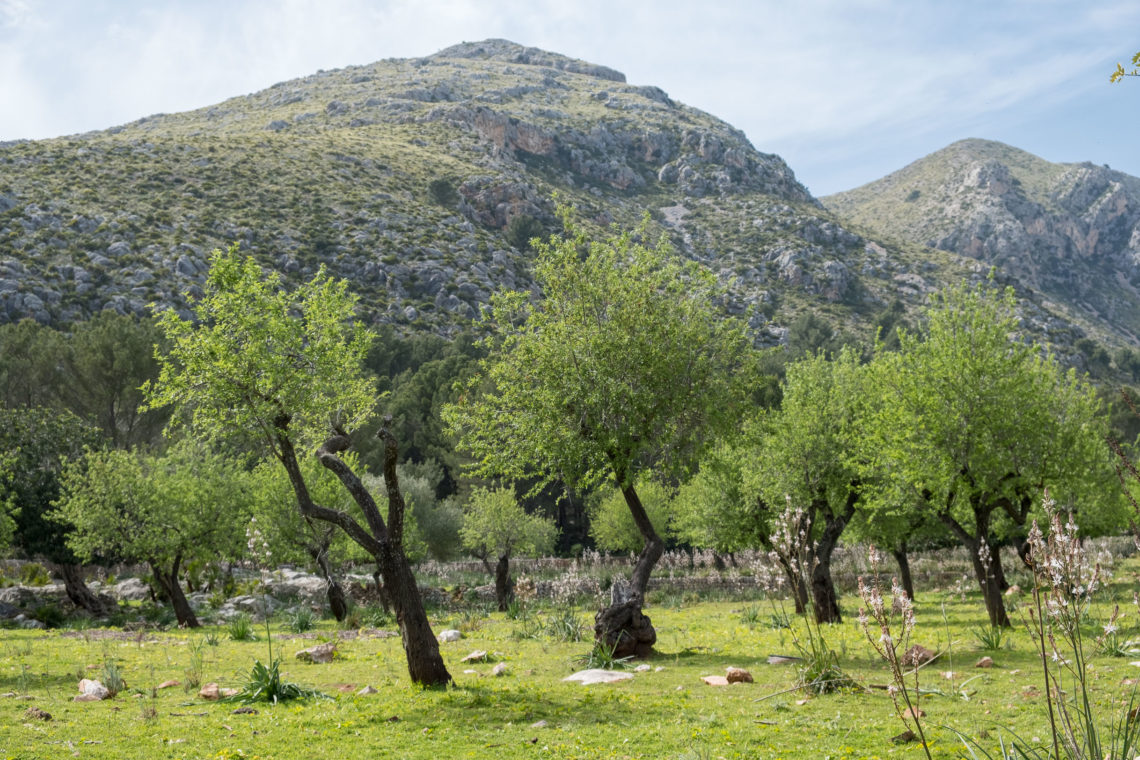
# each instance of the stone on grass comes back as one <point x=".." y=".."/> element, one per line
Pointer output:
<point x="985" y="662"/>
<point x="168" y="684"/>
<point x="450" y="635"/>
<point x="597" y="675"/>
<point x="737" y="675"/>
<point x="917" y="655"/>
<point x="92" y="691"/>
<point x="499" y="669"/>
<point x="642" y="668"/>
<point x="366" y="691"/>
<point x="212" y="692"/>
<point x="245" y="711"/>
<point x="35" y="713"/>
<point x="479" y="655"/>
<point x="539" y="724"/>
<point x="715" y="680"/>
<point x="320" y="654"/>
<point x="913" y="712"/>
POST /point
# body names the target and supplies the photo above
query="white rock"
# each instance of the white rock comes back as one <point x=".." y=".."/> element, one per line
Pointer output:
<point x="597" y="675"/>
<point x="92" y="690"/>
<point x="450" y="635"/>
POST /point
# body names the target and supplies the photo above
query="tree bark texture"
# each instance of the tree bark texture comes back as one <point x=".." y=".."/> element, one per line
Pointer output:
<point x="79" y="594"/>
<point x="824" y="597"/>
<point x="900" y="554"/>
<point x="504" y="586"/>
<point x="168" y="582"/>
<point x="987" y="582"/>
<point x="333" y="590"/>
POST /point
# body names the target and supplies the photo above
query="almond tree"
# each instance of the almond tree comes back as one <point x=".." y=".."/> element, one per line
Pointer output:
<point x="975" y="423"/>
<point x="495" y="525"/>
<point x="622" y="367"/>
<point x="285" y="369"/>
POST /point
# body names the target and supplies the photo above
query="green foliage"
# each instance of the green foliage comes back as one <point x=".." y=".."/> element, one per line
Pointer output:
<point x="1120" y="72"/>
<point x="602" y="656"/>
<point x="494" y="525"/>
<point x="973" y="416"/>
<point x="564" y="625"/>
<point x="241" y="628"/>
<point x="991" y="638"/>
<point x="302" y="620"/>
<point x="522" y="231"/>
<point x="259" y="355"/>
<point x="624" y="365"/>
<point x="35" y="445"/>
<point x="611" y="523"/>
<point x="443" y="192"/>
<point x="161" y="509"/>
<point x="265" y="685"/>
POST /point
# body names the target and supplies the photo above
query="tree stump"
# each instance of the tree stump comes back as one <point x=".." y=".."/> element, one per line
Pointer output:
<point x="622" y="626"/>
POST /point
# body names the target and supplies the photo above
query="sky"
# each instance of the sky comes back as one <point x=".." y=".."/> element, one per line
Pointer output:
<point x="846" y="91"/>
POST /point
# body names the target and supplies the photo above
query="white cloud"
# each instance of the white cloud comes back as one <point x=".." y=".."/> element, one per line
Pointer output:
<point x="811" y="73"/>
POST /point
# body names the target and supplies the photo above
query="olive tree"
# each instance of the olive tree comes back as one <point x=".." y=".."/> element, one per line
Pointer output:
<point x="285" y="368"/>
<point x="623" y="366"/>
<point x="495" y="525"/>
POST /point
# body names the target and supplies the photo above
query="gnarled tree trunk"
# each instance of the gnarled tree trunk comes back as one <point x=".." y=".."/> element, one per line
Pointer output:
<point x="168" y="582"/>
<point x="622" y="626"/>
<point x="824" y="597"/>
<point x="78" y="593"/>
<point x="383" y="540"/>
<point x="900" y="554"/>
<point x="333" y="590"/>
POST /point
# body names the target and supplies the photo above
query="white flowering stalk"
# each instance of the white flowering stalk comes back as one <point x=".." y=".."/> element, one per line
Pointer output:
<point x="1064" y="583"/>
<point x="888" y="628"/>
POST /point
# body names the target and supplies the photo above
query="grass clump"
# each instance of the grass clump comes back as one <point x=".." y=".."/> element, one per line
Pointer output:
<point x="241" y="628"/>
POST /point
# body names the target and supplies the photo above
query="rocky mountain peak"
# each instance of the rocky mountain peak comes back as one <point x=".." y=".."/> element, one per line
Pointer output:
<point x="512" y="52"/>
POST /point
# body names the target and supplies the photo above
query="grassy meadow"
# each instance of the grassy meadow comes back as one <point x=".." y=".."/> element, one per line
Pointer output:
<point x="528" y="710"/>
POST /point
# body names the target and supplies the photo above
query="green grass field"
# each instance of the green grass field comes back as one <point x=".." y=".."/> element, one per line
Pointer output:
<point x="666" y="712"/>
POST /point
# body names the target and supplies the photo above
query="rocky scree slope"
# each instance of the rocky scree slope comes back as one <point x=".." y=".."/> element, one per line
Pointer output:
<point x="1071" y="231"/>
<point x="413" y="178"/>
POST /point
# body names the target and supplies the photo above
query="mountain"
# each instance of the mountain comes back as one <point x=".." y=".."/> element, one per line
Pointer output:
<point x="421" y="181"/>
<point x="1071" y="231"/>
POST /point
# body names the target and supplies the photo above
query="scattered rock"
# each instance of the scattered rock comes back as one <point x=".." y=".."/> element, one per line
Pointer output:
<point x="715" y="680"/>
<point x="450" y="635"/>
<point x="914" y="712"/>
<point x="92" y="691"/>
<point x="906" y="737"/>
<point x="346" y="688"/>
<point x="244" y="711"/>
<point x="737" y="675"/>
<point x="539" y="724"/>
<point x="367" y="690"/>
<point x="499" y="669"/>
<point x="948" y="674"/>
<point x="985" y="662"/>
<point x="917" y="655"/>
<point x="35" y="713"/>
<point x="479" y="655"/>
<point x="597" y="675"/>
<point x="212" y="692"/>
<point x="642" y="668"/>
<point x="168" y="684"/>
<point x="1013" y="590"/>
<point x="470" y="672"/>
<point x="781" y="659"/>
<point x="320" y="654"/>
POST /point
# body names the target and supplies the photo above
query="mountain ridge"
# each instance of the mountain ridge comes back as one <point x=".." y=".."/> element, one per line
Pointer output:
<point x="418" y="179"/>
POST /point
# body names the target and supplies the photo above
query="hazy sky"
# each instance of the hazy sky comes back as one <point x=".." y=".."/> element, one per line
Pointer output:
<point x="845" y="90"/>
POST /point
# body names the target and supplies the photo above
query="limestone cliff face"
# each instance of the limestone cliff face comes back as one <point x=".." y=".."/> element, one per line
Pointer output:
<point x="1071" y="231"/>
